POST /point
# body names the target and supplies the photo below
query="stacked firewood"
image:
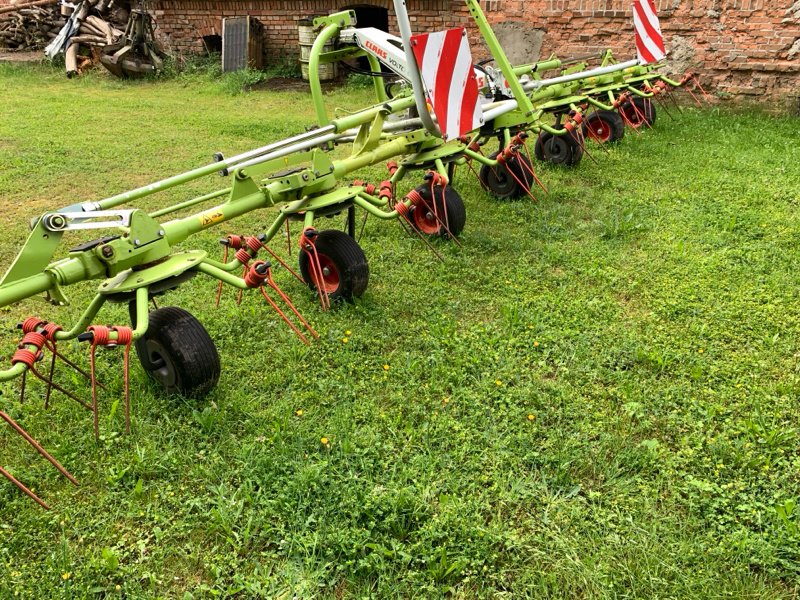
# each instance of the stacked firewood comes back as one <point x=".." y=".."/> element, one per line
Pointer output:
<point x="77" y="30"/>
<point x="27" y="26"/>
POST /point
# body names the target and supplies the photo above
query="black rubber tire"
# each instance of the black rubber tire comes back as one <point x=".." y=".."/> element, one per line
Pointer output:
<point x="342" y="255"/>
<point x="177" y="352"/>
<point x="604" y="127"/>
<point x="645" y="106"/>
<point x="452" y="206"/>
<point x="563" y="150"/>
<point x="500" y="181"/>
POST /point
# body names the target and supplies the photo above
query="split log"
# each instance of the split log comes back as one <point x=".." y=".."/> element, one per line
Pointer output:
<point x="16" y="7"/>
<point x="89" y="40"/>
<point x="71" y="60"/>
<point x="102" y="26"/>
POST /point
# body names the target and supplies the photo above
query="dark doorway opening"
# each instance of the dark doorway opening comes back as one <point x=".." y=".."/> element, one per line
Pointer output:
<point x="368" y="15"/>
<point x="213" y="44"/>
<point x="371" y="16"/>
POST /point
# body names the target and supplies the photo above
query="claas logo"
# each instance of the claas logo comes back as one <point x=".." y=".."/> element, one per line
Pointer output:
<point x="376" y="49"/>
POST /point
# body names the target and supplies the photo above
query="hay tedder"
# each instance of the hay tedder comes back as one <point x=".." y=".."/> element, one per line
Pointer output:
<point x="438" y="114"/>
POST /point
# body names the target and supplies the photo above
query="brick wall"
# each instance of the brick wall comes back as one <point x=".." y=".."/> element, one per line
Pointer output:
<point x="742" y="47"/>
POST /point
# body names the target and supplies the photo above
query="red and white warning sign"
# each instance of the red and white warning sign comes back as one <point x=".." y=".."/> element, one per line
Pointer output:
<point x="445" y="63"/>
<point x="649" y="41"/>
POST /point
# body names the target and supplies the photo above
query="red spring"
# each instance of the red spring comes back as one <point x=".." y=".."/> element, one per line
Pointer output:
<point x="519" y="139"/>
<point x="387" y="191"/>
<point x="505" y="155"/>
<point x="124" y="335"/>
<point x="235" y="241"/>
<point x="243" y="256"/>
<point x="392" y="166"/>
<point x="102" y="335"/>
<point x="33" y="338"/>
<point x="436" y="178"/>
<point x="50" y="331"/>
<point x="253" y="243"/>
<point x="574" y="122"/>
<point x="621" y="99"/>
<point x="32" y="324"/>
<point x="25" y="356"/>
<point x="403" y="210"/>
<point x="415" y="198"/>
<point x="257" y="274"/>
<point x="369" y="188"/>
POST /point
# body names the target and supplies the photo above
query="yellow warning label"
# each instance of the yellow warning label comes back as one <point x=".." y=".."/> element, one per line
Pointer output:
<point x="211" y="217"/>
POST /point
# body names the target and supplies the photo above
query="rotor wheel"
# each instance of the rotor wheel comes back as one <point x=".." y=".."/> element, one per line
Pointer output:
<point x="562" y="150"/>
<point x="442" y="214"/>
<point x="345" y="272"/>
<point x="510" y="180"/>
<point x="177" y="352"/>
<point x="639" y="110"/>
<point x="604" y="127"/>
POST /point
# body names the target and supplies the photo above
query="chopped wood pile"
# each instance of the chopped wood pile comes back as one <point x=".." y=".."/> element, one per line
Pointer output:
<point x="29" y="26"/>
<point x="78" y="30"/>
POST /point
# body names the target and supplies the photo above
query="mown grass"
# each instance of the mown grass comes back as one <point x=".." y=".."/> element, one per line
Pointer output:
<point x="595" y="397"/>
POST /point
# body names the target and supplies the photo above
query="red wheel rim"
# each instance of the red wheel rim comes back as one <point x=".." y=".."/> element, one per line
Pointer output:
<point x="632" y="116"/>
<point x="425" y="220"/>
<point x="330" y="274"/>
<point x="599" y="130"/>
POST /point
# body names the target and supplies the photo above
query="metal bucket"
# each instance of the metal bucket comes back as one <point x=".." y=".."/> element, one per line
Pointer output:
<point x="307" y="36"/>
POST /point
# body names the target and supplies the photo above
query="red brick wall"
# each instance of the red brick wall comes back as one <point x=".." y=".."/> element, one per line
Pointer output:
<point x="742" y="47"/>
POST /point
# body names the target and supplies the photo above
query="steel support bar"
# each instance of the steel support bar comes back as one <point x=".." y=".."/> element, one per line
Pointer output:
<point x="533" y="85"/>
<point x="404" y="24"/>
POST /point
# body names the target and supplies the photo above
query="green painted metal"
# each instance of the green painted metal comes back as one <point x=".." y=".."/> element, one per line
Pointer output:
<point x="331" y="26"/>
<point x="499" y="56"/>
<point x="130" y="280"/>
<point x="38" y="251"/>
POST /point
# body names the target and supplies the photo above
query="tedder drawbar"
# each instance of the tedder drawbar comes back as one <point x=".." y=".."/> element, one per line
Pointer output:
<point x="439" y="122"/>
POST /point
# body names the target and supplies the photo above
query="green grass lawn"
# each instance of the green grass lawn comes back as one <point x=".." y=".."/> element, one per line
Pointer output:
<point x="596" y="396"/>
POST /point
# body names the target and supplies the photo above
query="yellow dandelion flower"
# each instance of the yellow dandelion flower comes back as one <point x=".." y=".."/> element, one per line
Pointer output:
<point x="385" y="367"/>
<point x="700" y="350"/>
<point x="348" y="332"/>
<point x="531" y="417"/>
<point x="535" y="344"/>
<point x="324" y="441"/>
<point x="66" y="576"/>
<point x="446" y="400"/>
<point x="345" y="340"/>
<point x="299" y="412"/>
<point x="498" y="382"/>
<point x="118" y="587"/>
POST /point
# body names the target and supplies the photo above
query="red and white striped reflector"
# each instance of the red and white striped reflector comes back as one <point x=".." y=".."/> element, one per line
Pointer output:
<point x="445" y="63"/>
<point x="649" y="41"/>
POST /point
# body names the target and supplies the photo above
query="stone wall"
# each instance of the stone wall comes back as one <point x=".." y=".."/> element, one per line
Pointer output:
<point x="739" y="47"/>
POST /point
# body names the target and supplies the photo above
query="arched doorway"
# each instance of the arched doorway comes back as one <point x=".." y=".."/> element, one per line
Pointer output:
<point x="369" y="15"/>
